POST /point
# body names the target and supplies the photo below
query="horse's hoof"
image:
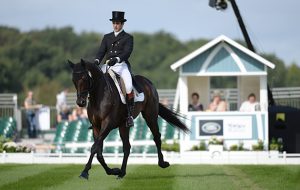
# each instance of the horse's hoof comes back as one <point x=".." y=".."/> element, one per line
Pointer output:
<point x="163" y="164"/>
<point x="121" y="175"/>
<point x="114" y="171"/>
<point x="119" y="178"/>
<point x="84" y="175"/>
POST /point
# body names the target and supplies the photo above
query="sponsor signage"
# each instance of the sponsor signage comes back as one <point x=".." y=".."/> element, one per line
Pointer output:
<point x="230" y="127"/>
<point x="238" y="127"/>
<point x="211" y="127"/>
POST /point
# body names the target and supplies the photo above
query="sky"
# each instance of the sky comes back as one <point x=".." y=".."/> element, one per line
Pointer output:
<point x="273" y="26"/>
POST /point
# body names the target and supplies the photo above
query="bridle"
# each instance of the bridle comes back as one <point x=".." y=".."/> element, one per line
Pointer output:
<point x="85" y="92"/>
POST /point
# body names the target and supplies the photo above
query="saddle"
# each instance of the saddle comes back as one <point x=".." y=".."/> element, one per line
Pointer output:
<point x="120" y="85"/>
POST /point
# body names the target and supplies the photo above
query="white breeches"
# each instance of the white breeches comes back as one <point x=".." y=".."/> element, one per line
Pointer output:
<point x="122" y="70"/>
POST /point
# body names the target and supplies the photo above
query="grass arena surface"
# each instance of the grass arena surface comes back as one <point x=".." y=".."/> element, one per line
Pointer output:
<point x="144" y="177"/>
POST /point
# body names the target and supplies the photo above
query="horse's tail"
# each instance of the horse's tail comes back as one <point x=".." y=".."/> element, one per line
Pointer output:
<point x="172" y="118"/>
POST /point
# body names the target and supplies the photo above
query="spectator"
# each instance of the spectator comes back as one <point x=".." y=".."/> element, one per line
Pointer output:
<point x="61" y="102"/>
<point x="217" y="104"/>
<point x="79" y="113"/>
<point x="195" y="105"/>
<point x="30" y="107"/>
<point x="65" y="114"/>
<point x="250" y="105"/>
<point x="165" y="102"/>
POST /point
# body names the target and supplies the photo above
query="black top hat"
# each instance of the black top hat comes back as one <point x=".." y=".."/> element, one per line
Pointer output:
<point x="118" y="16"/>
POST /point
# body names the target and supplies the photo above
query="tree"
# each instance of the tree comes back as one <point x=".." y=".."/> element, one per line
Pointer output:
<point x="277" y="76"/>
<point x="37" y="60"/>
<point x="293" y="75"/>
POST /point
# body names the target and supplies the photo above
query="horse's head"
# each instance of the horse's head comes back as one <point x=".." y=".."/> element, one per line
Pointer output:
<point x="82" y="81"/>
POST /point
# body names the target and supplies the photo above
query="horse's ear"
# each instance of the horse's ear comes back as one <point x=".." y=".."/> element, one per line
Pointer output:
<point x="82" y="62"/>
<point x="71" y="64"/>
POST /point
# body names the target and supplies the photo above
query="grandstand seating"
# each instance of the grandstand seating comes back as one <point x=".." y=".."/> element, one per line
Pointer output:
<point x="77" y="131"/>
<point x="7" y="127"/>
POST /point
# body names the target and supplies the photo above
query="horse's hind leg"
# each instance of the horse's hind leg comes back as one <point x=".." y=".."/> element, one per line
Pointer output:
<point x="124" y="133"/>
<point x="151" y="120"/>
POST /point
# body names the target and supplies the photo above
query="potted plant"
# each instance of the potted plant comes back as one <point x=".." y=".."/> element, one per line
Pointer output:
<point x="237" y="147"/>
<point x="274" y="148"/>
<point x="215" y="146"/>
<point x="201" y="146"/>
<point x="259" y="146"/>
<point x="174" y="147"/>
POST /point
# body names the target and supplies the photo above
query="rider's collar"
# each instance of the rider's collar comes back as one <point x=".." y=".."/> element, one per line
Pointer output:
<point x="117" y="33"/>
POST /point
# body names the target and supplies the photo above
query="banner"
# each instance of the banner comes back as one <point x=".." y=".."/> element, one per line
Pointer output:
<point x="229" y="127"/>
<point x="211" y="127"/>
<point x="238" y="127"/>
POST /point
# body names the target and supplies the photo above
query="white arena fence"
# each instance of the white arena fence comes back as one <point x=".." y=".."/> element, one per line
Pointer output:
<point x="289" y="96"/>
<point x="192" y="157"/>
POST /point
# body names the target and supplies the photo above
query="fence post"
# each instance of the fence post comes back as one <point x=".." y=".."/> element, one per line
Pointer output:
<point x="228" y="157"/>
<point x="284" y="157"/>
<point x="60" y="156"/>
<point x="256" y="157"/>
<point x="3" y="156"/>
<point x="32" y="157"/>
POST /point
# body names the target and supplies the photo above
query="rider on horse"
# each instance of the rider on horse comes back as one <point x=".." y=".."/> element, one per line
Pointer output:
<point x="117" y="47"/>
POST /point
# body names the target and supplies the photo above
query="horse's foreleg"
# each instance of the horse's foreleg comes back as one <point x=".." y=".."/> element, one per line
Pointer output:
<point x="100" y="158"/>
<point x="85" y="173"/>
<point x="124" y="133"/>
<point x="103" y="134"/>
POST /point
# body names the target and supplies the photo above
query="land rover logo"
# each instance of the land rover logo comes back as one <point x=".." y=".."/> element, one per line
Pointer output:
<point x="211" y="127"/>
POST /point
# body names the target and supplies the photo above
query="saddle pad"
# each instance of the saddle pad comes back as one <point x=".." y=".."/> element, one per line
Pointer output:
<point x="138" y="97"/>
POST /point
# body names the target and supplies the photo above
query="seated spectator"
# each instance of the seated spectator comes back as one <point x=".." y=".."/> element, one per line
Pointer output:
<point x="250" y="105"/>
<point x="79" y="113"/>
<point x="195" y="105"/>
<point x="217" y="104"/>
<point x="65" y="114"/>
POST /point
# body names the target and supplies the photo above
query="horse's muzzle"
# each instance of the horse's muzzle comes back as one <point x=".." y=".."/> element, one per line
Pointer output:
<point x="81" y="102"/>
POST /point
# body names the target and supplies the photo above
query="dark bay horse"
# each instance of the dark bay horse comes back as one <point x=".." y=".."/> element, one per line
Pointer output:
<point x="106" y="112"/>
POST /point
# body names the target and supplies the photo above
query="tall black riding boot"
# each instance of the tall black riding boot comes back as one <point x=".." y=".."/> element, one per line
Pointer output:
<point x="130" y="109"/>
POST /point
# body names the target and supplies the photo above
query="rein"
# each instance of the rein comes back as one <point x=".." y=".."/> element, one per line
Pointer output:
<point x="85" y="92"/>
<point x="108" y="84"/>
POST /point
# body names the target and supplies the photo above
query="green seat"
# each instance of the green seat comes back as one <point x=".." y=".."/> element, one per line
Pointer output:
<point x="72" y="129"/>
<point x="109" y="150"/>
<point x="141" y="129"/>
<point x="83" y="133"/>
<point x="152" y="149"/>
<point x="169" y="132"/>
<point x="113" y="135"/>
<point x="81" y="150"/>
<point x="60" y="132"/>
<point x="137" y="149"/>
<point x="8" y="127"/>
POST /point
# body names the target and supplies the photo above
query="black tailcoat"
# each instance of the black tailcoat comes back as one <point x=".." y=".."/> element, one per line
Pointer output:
<point x="120" y="46"/>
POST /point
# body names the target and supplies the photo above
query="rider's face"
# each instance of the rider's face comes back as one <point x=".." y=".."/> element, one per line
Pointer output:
<point x="117" y="26"/>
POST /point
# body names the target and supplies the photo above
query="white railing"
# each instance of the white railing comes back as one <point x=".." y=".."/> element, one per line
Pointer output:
<point x="231" y="95"/>
<point x="195" y="157"/>
<point x="286" y="92"/>
<point x="8" y="105"/>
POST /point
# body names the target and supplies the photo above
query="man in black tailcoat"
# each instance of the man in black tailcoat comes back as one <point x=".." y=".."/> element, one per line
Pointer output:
<point x="116" y="47"/>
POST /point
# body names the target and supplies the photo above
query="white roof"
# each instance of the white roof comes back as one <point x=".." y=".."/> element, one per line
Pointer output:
<point x="217" y="40"/>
